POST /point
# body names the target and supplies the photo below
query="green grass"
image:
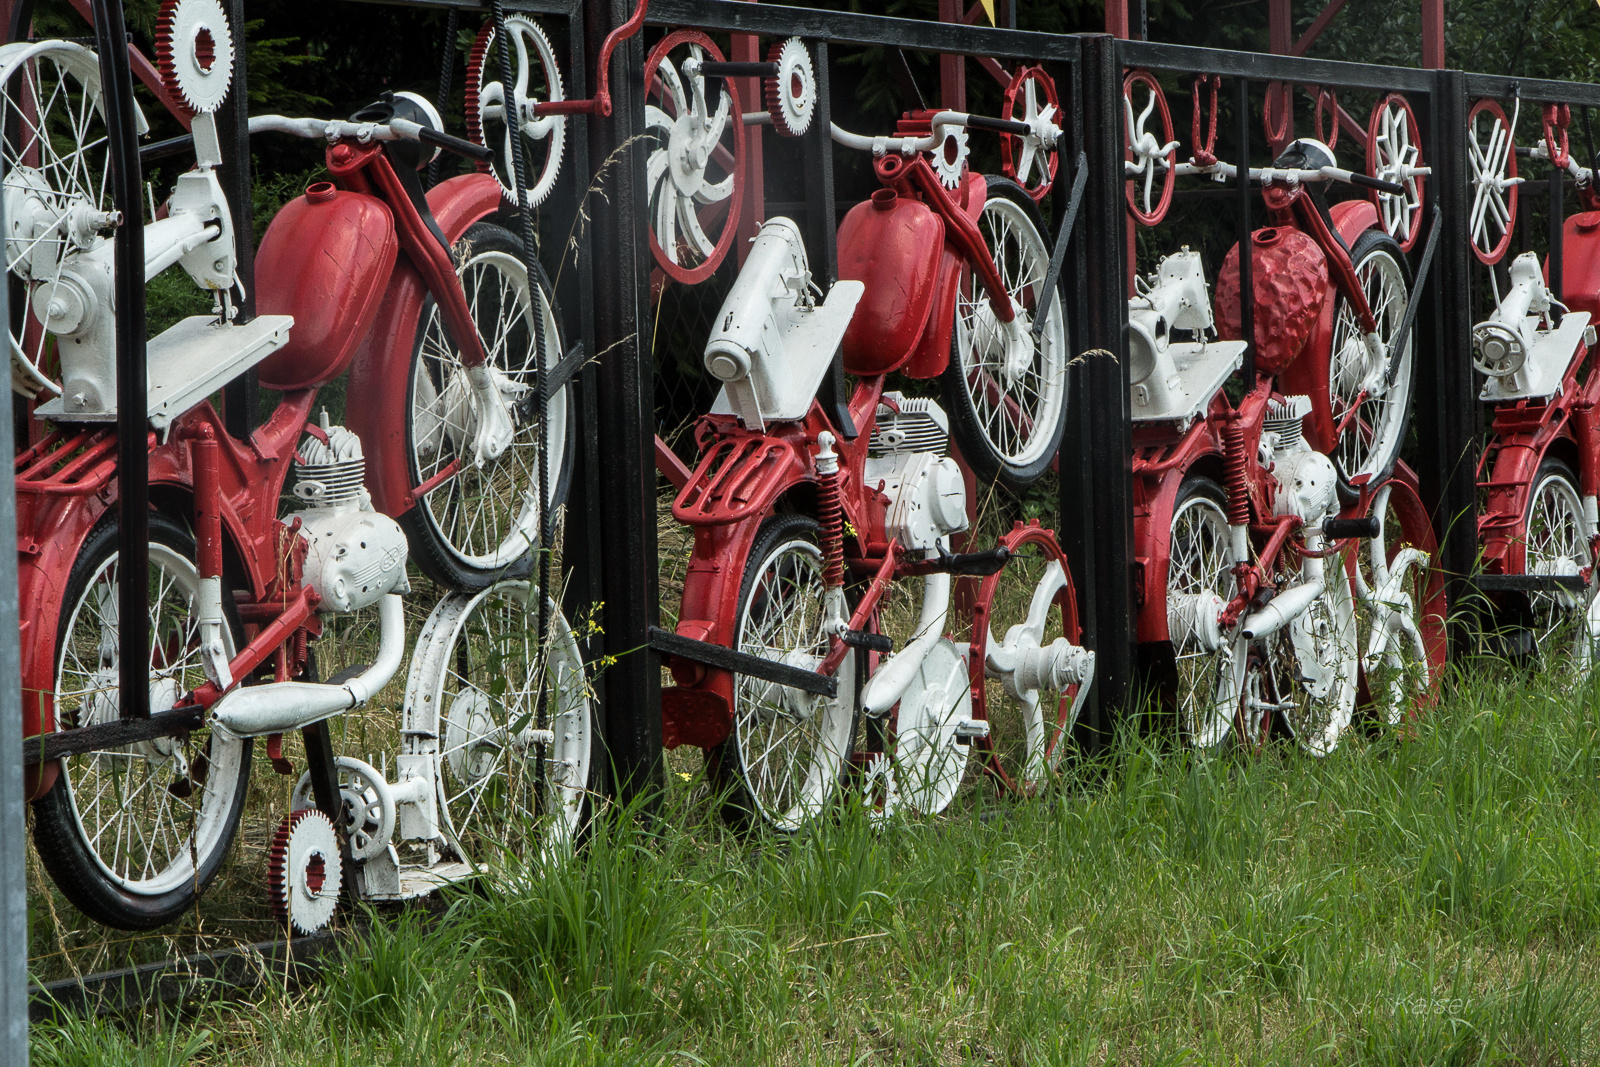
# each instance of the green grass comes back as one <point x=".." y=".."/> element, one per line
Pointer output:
<point x="1431" y="898"/>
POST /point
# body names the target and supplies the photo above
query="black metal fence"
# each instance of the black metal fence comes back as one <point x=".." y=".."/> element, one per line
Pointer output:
<point x="610" y="547"/>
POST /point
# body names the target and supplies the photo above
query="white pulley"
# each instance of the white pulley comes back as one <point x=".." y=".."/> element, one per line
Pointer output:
<point x="367" y="805"/>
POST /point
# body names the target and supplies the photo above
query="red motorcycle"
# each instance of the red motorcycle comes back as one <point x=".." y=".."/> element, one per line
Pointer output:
<point x="806" y="516"/>
<point x="1255" y="611"/>
<point x="430" y="307"/>
<point x="1540" y="471"/>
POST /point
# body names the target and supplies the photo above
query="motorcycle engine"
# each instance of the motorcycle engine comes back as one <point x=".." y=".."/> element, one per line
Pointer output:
<point x="1307" y="481"/>
<point x="357" y="555"/>
<point x="927" y="497"/>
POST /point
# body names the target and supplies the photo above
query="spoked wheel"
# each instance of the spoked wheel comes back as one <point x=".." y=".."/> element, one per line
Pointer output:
<point x="1008" y="393"/>
<point x="1556" y="544"/>
<point x="1394" y="154"/>
<point x="1025" y="158"/>
<point x="474" y="525"/>
<point x="781" y="764"/>
<point x="1026" y="665"/>
<point x="505" y="789"/>
<point x="1367" y="411"/>
<point x="1150" y="149"/>
<point x="1400" y="608"/>
<point x="1207" y="660"/>
<point x="132" y="835"/>
<point x="58" y="196"/>
<point x="696" y="164"/>
<point x="1309" y="669"/>
<point x="536" y="80"/>
<point x="1492" y="153"/>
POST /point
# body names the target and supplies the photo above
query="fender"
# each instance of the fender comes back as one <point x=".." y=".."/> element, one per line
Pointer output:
<point x="1502" y="528"/>
<point x="1155" y="499"/>
<point x="380" y="373"/>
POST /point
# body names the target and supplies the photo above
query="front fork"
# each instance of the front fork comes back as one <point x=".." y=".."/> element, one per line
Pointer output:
<point x="203" y="450"/>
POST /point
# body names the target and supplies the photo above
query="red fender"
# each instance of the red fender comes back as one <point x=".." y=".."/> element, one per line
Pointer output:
<point x="1502" y="527"/>
<point x="1155" y="499"/>
<point x="381" y="370"/>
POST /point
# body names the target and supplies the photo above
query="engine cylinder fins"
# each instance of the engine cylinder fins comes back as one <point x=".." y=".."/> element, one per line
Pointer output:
<point x="920" y="425"/>
<point x="330" y="470"/>
<point x="1285" y="419"/>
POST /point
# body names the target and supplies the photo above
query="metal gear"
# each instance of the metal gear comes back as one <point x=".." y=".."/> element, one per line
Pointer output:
<point x="950" y="157"/>
<point x="485" y="98"/>
<point x="194" y="53"/>
<point x="368" y="806"/>
<point x="303" y="870"/>
<point x="792" y="93"/>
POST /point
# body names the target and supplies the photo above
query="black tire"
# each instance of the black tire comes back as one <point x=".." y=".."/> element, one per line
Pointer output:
<point x="215" y="796"/>
<point x="980" y="432"/>
<point x="441" y="532"/>
<point x="786" y="550"/>
<point x="1350" y="456"/>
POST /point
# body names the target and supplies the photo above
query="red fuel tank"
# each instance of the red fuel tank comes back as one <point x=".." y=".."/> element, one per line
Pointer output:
<point x="1580" y="264"/>
<point x="1290" y="275"/>
<point x="325" y="260"/>
<point x="891" y="243"/>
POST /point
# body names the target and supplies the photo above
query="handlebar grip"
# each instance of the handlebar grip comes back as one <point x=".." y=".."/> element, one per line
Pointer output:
<point x="1392" y="188"/>
<point x="476" y="153"/>
<point x="1339" y="529"/>
<point x="714" y="69"/>
<point x="979" y="122"/>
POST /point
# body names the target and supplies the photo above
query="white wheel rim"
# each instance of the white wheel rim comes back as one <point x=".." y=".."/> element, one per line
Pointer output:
<point x="1199" y="566"/>
<point x="790" y="744"/>
<point x="479" y="654"/>
<point x="64" y="81"/>
<point x="488" y="518"/>
<point x="1016" y="413"/>
<point x="1313" y="664"/>
<point x="1556" y="545"/>
<point x="1372" y="439"/>
<point x="143" y="838"/>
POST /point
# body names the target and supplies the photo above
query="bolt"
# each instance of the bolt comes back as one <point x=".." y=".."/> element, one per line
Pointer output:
<point x="220" y="266"/>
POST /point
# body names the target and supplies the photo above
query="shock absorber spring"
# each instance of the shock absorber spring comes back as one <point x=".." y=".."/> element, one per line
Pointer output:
<point x="1238" y="489"/>
<point x="830" y="512"/>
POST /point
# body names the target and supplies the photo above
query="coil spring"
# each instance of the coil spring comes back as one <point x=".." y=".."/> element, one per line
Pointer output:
<point x="300" y="648"/>
<point x="831" y="515"/>
<point x="1238" y="489"/>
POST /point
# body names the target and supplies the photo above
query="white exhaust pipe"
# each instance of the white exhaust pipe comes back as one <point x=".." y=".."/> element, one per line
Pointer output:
<point x="256" y="710"/>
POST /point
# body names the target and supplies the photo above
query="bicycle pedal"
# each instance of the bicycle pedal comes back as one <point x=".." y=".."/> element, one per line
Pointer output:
<point x="870" y="641"/>
<point x="970" y="730"/>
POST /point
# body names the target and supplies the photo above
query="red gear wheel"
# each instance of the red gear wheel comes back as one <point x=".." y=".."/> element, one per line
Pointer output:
<point x="1065" y="602"/>
<point x="480" y="48"/>
<point x="320" y="870"/>
<point x="1015" y="97"/>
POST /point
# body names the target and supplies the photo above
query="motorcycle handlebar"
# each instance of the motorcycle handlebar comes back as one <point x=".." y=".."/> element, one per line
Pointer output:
<point x="907" y="145"/>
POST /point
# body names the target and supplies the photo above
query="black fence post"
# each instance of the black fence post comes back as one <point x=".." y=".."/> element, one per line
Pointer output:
<point x="626" y="414"/>
<point x="132" y="399"/>
<point x="1103" y="381"/>
<point x="241" y="397"/>
<point x="1445" y="402"/>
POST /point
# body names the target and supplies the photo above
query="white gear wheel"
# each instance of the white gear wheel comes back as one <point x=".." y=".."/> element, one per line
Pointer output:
<point x="304" y="871"/>
<point x="950" y="157"/>
<point x="490" y="94"/>
<point x="794" y="96"/>
<point x="368" y="805"/>
<point x="200" y="45"/>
